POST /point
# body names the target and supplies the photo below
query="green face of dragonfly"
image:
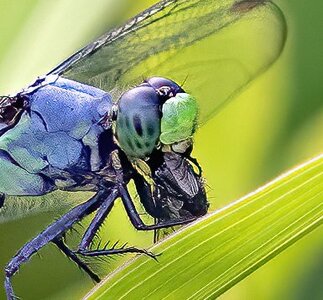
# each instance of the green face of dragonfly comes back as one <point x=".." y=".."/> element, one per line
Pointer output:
<point x="179" y="119"/>
<point x="142" y="124"/>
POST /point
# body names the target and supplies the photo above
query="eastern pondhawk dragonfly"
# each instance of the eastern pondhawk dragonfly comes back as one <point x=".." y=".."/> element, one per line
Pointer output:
<point x="116" y="111"/>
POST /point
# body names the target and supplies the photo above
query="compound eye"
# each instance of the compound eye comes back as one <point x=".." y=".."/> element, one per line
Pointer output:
<point x="164" y="87"/>
<point x="138" y="121"/>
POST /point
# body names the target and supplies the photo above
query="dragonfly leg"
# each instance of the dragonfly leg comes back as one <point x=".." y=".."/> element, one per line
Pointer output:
<point x="103" y="211"/>
<point x="69" y="253"/>
<point x="97" y="221"/>
<point x="144" y="192"/>
<point x="122" y="250"/>
<point x="52" y="232"/>
<point x="130" y="207"/>
<point x="136" y="220"/>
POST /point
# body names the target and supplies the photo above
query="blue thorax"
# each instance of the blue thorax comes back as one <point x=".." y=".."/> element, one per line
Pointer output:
<point x="60" y="130"/>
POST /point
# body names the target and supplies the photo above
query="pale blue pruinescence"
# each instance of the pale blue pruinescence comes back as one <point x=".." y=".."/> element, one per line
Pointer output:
<point x="63" y="118"/>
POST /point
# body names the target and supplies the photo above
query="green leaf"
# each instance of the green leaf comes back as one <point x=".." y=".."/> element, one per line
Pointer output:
<point x="208" y="257"/>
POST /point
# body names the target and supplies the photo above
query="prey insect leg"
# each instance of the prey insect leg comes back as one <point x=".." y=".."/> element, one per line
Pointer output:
<point x="52" y="232"/>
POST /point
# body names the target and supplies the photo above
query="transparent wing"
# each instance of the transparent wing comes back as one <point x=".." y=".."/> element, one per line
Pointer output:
<point x="215" y="46"/>
<point x="20" y="207"/>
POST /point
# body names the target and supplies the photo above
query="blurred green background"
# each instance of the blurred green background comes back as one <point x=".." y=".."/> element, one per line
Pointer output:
<point x="276" y="123"/>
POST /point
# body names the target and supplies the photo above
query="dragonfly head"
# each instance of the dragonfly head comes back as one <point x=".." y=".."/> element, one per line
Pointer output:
<point x="158" y="111"/>
<point x="156" y="122"/>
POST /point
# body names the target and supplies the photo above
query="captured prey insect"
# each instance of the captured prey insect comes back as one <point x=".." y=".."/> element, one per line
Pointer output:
<point x="67" y="132"/>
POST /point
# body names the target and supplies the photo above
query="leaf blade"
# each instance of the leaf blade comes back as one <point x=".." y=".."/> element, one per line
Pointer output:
<point x="206" y="258"/>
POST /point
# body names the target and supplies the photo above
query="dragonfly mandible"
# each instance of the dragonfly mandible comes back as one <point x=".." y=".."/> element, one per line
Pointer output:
<point x="69" y="131"/>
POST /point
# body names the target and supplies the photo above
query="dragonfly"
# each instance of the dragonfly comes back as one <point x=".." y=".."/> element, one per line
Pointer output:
<point x="116" y="111"/>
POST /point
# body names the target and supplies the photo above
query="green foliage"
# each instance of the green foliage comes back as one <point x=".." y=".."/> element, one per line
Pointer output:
<point x="205" y="259"/>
